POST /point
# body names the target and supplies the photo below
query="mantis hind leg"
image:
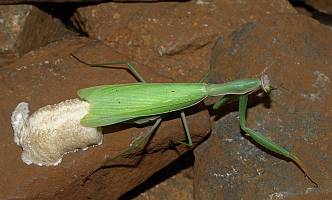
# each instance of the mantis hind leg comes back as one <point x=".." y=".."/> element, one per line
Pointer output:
<point x="204" y="78"/>
<point x="113" y="64"/>
<point x="136" y="144"/>
<point x="264" y="141"/>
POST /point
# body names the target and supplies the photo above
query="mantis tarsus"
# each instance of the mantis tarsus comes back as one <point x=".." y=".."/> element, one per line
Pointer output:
<point x="142" y="102"/>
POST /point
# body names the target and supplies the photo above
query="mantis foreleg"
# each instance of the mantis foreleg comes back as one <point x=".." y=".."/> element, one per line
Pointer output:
<point x="264" y="141"/>
<point x="225" y="99"/>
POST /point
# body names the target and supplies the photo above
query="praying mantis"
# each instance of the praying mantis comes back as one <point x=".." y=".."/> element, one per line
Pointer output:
<point x="149" y="102"/>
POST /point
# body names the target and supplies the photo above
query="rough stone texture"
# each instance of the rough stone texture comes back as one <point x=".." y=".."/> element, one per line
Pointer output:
<point x="303" y="11"/>
<point x="66" y="1"/>
<point x="22" y="29"/>
<point x="50" y="75"/>
<point x="173" y="182"/>
<point x="171" y="37"/>
<point x="173" y="41"/>
<point x="295" y="52"/>
<point x="321" y="5"/>
<point x="320" y="10"/>
<point x="176" y="187"/>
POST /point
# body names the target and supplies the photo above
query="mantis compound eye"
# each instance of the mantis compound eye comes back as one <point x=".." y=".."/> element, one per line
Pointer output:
<point x="52" y="131"/>
<point x="265" y="81"/>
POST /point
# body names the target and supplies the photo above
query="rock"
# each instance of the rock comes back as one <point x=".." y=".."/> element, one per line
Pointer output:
<point x="65" y="1"/>
<point x="295" y="52"/>
<point x="51" y="75"/>
<point x="174" y="38"/>
<point x="318" y="9"/>
<point x="324" y="6"/>
<point x="177" y="187"/>
<point x="22" y="29"/>
<point x="173" y="41"/>
<point x="172" y="182"/>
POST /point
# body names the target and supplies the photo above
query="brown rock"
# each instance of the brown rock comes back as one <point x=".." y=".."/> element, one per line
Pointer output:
<point x="50" y="75"/>
<point x="324" y="6"/>
<point x="173" y="182"/>
<point x="173" y="38"/>
<point x="295" y="52"/>
<point x="64" y="1"/>
<point x="176" y="187"/>
<point x="24" y="28"/>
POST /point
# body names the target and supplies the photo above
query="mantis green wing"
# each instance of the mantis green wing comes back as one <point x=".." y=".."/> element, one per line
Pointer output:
<point x="110" y="104"/>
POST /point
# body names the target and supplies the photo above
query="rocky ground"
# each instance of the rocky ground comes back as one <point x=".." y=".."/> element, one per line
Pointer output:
<point x="172" y="41"/>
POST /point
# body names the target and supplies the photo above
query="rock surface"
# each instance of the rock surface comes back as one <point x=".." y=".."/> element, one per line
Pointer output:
<point x="22" y="29"/>
<point x="174" y="38"/>
<point x="173" y="182"/>
<point x="50" y="75"/>
<point x="173" y="42"/>
<point x="321" y="5"/>
<point x="65" y="1"/>
<point x="294" y="51"/>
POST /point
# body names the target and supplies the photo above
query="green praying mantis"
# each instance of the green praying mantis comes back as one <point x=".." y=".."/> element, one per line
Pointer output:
<point x="149" y="102"/>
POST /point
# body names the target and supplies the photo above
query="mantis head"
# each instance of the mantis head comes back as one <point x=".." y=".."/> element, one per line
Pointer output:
<point x="265" y="83"/>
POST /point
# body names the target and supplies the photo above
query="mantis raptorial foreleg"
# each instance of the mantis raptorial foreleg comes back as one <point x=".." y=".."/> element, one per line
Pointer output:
<point x="225" y="99"/>
<point x="264" y="141"/>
